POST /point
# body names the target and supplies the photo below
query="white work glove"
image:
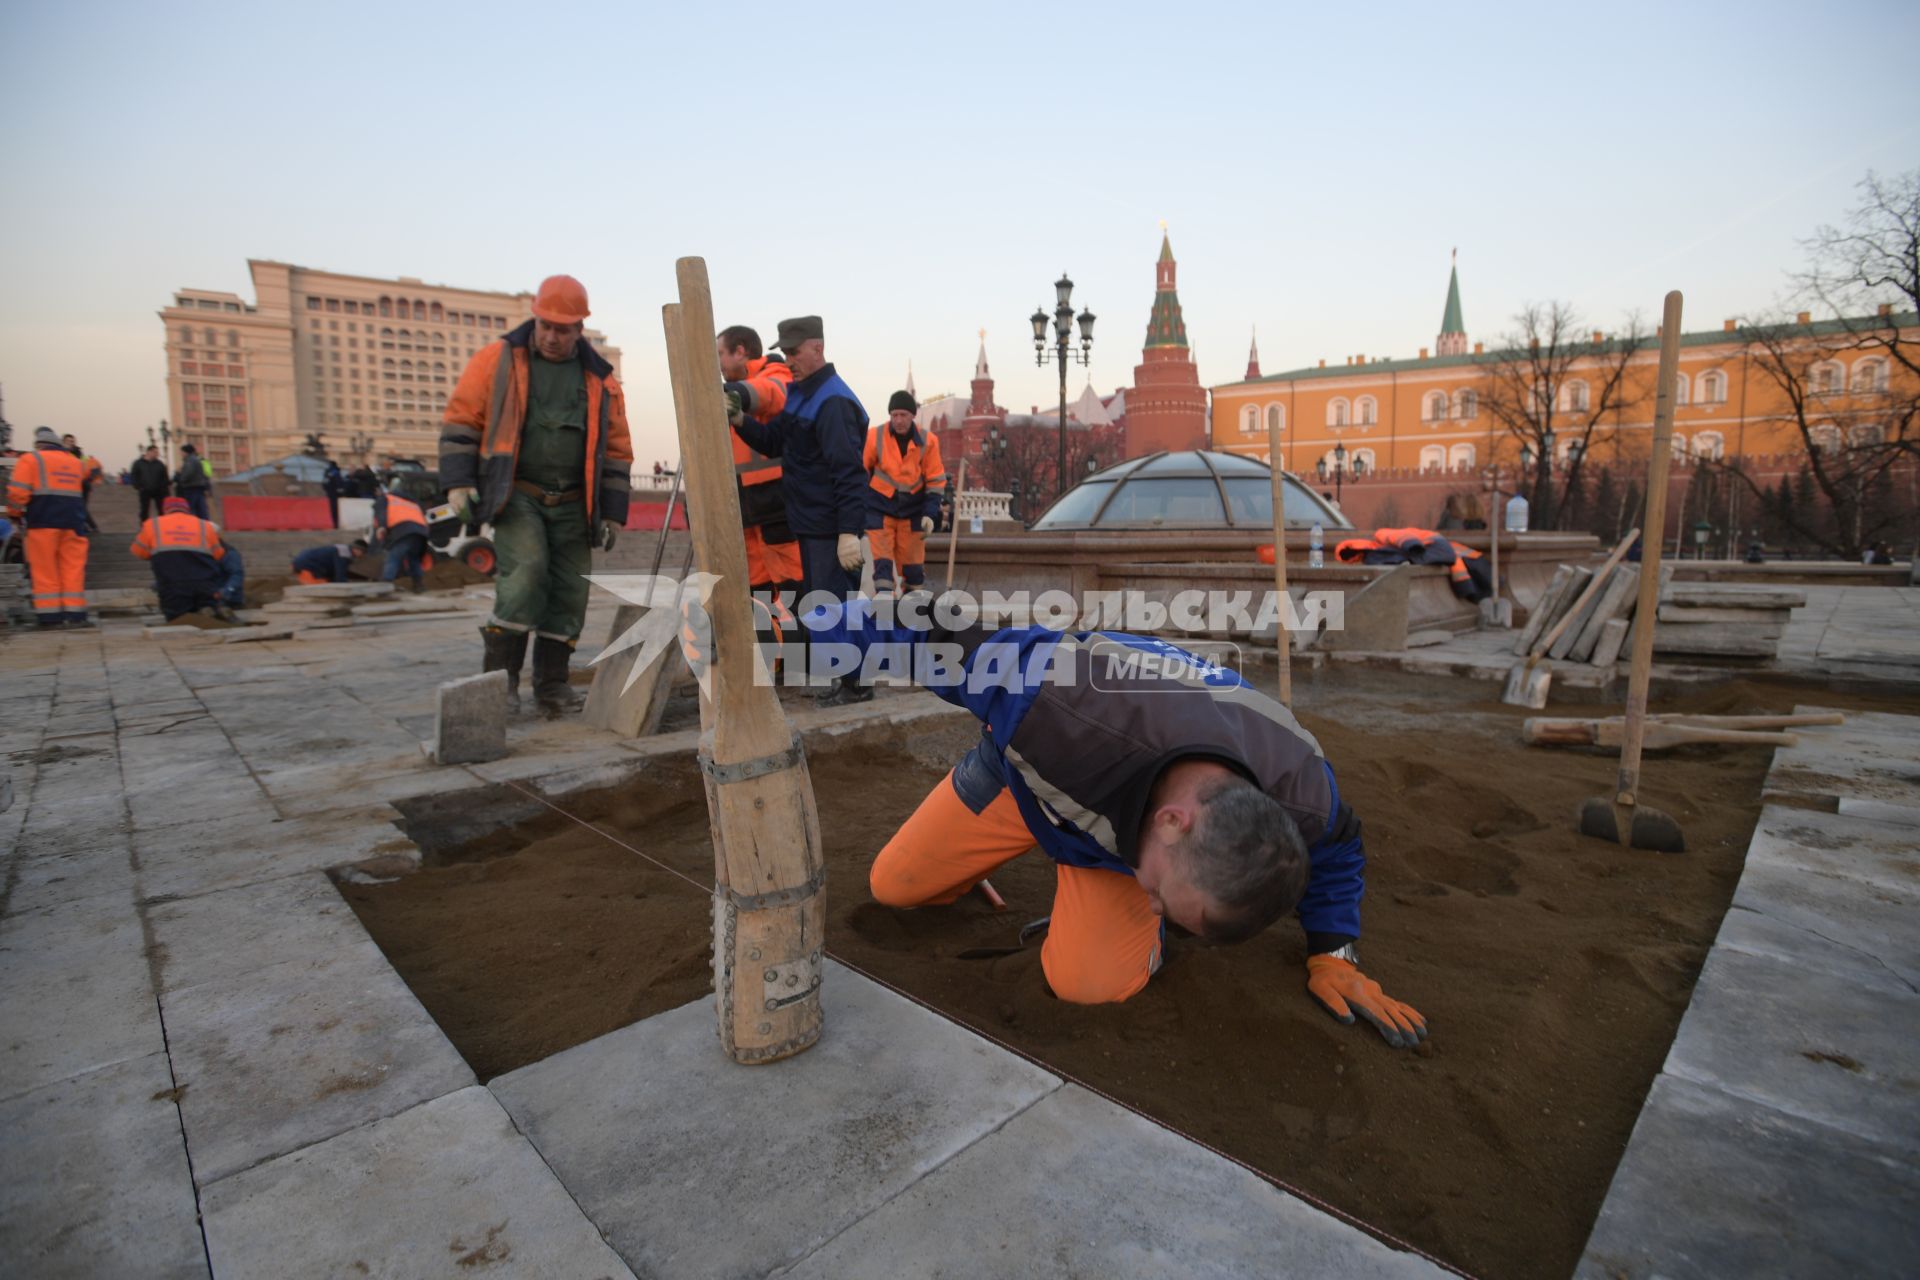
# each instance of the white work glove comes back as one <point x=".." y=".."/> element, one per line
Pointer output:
<point x="462" y="500"/>
<point x="926" y="524"/>
<point x="848" y="551"/>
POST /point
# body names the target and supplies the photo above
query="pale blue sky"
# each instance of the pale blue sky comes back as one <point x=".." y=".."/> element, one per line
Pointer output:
<point x="915" y="176"/>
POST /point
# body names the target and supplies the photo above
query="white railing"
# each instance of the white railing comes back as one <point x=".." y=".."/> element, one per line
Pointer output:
<point x="988" y="504"/>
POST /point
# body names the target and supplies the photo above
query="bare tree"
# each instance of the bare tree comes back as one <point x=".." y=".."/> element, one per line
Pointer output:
<point x="1854" y="433"/>
<point x="1549" y="385"/>
<point x="1871" y="262"/>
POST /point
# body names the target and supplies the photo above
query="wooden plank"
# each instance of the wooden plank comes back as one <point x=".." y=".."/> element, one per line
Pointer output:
<point x="1666" y="576"/>
<point x="1711" y="595"/>
<point x="1711" y="639"/>
<point x="1735" y="617"/>
<point x="1543" y="608"/>
<point x="1613" y="638"/>
<point x="1623" y="587"/>
<point x="1581" y="610"/>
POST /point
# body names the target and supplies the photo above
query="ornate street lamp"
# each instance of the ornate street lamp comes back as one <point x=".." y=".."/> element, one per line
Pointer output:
<point x="1062" y="354"/>
<point x="1338" y="471"/>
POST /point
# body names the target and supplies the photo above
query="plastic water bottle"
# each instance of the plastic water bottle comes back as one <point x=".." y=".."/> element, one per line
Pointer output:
<point x="1316" y="557"/>
<point x="1516" y="514"/>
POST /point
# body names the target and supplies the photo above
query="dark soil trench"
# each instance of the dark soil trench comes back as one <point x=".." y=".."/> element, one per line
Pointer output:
<point x="1553" y="970"/>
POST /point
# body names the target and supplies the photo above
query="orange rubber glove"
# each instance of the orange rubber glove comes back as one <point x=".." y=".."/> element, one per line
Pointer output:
<point x="1343" y="991"/>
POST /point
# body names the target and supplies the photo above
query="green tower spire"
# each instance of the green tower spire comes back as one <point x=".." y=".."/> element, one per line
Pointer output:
<point x="1165" y="327"/>
<point x="1451" y="321"/>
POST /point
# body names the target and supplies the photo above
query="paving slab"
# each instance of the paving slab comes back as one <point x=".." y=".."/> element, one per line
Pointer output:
<point x="96" y="1181"/>
<point x="1836" y="1051"/>
<point x="1057" y="1191"/>
<point x="446" y="1188"/>
<point x="651" y="1128"/>
<point x="246" y="849"/>
<point x="298" y="919"/>
<point x="292" y="1054"/>
<point x="470" y="719"/>
<point x="1714" y="1185"/>
<point x="1906" y="815"/>
<point x="84" y="869"/>
<point x="75" y="993"/>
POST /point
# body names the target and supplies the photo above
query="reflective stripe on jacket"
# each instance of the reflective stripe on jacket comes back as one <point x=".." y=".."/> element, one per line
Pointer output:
<point x="763" y="499"/>
<point x="480" y="433"/>
<point x="178" y="533"/>
<point x="49" y="484"/>
<point x="905" y="476"/>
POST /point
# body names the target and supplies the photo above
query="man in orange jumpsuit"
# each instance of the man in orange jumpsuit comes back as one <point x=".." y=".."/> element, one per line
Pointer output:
<point x="185" y="552"/>
<point x="48" y="487"/>
<point x="757" y="385"/>
<point x="905" y="482"/>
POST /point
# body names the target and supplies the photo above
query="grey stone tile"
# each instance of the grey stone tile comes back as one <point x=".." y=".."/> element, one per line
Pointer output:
<point x="296" y="1053"/>
<point x="95" y="1180"/>
<point x="1713" y="1185"/>
<point x="74" y="992"/>
<point x="296" y="919"/>
<point x="446" y="1188"/>
<point x="650" y="1127"/>
<point x="248" y="848"/>
<point x="99" y="866"/>
<point x="1836" y="1051"/>
<point x="1059" y="1191"/>
<point x="1905" y="815"/>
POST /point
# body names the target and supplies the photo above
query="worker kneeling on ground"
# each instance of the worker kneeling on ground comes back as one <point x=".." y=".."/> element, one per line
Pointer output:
<point x="318" y="565"/>
<point x="905" y="481"/>
<point x="1164" y="788"/>
<point x="186" y="555"/>
<point x="535" y="443"/>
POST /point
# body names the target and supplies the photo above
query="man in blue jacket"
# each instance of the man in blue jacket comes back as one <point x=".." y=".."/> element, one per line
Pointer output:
<point x="820" y="438"/>
<point x="1162" y="786"/>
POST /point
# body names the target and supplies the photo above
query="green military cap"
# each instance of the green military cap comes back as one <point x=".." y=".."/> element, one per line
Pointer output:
<point x="798" y="330"/>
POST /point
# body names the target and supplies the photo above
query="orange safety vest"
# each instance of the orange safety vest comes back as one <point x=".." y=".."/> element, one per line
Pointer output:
<point x="45" y="473"/>
<point x="769" y="380"/>
<point x="403" y="511"/>
<point x="897" y="466"/>
<point x="177" y="532"/>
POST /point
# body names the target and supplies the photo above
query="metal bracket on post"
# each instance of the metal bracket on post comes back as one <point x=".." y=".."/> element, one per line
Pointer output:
<point x="791" y="982"/>
<point x="759" y="767"/>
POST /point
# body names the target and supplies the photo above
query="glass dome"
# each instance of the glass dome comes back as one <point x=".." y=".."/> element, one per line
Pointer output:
<point x="1196" y="489"/>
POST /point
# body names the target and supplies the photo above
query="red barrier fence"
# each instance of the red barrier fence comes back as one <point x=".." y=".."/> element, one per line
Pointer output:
<point x="648" y="515"/>
<point x="241" y="512"/>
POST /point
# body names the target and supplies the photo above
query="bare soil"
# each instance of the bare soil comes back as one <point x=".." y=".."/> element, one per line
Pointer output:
<point x="1553" y="969"/>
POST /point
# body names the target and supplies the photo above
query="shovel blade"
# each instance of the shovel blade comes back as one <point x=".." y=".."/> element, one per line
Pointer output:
<point x="1650" y="828"/>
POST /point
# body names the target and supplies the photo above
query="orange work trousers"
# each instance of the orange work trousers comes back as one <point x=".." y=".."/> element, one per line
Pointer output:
<point x="771" y="562"/>
<point x="1104" y="941"/>
<point x="898" y="542"/>
<point x="308" y="578"/>
<point x="57" y="562"/>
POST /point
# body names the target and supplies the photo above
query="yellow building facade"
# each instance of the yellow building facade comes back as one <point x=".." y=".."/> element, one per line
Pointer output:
<point x="1430" y="413"/>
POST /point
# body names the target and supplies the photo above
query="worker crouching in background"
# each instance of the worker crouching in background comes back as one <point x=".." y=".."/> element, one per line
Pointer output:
<point x="535" y="443"/>
<point x="905" y="482"/>
<point x="186" y="554"/>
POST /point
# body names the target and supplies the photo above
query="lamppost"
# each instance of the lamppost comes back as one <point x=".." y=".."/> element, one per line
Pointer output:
<point x="166" y="443"/>
<point x="1339" y="470"/>
<point x="1062" y="354"/>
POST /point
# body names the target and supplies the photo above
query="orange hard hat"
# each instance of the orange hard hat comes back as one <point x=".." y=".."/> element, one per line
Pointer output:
<point x="561" y="300"/>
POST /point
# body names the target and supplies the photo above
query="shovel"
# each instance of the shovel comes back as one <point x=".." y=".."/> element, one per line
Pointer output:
<point x="1621" y="817"/>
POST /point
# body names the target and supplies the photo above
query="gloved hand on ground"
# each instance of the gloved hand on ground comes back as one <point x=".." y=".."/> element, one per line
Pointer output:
<point x="461" y="500"/>
<point x="608" y="531"/>
<point x="848" y="551"/>
<point x="1343" y="991"/>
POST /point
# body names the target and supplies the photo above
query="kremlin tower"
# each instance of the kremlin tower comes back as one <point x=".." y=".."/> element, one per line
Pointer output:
<point x="1453" y="330"/>
<point x="1167" y="406"/>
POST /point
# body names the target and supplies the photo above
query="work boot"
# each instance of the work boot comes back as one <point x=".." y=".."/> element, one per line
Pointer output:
<point x="505" y="651"/>
<point x="80" y="622"/>
<point x="847" y="689"/>
<point x="551" y="662"/>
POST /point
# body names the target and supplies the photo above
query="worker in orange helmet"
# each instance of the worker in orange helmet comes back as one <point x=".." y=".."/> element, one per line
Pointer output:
<point x="905" y="482"/>
<point x="757" y="386"/>
<point x="535" y="442"/>
<point x="48" y="490"/>
<point x="186" y="554"/>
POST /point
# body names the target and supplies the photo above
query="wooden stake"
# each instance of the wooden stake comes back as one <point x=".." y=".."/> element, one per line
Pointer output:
<point x="1493" y="528"/>
<point x="953" y="534"/>
<point x="769" y="916"/>
<point x="1283" y="638"/>
<point x="1627" y="785"/>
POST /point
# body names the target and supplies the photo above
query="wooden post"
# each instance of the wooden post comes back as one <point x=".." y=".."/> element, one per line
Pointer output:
<point x="769" y="915"/>
<point x="1627" y="785"/>
<point x="1493" y="528"/>
<point x="1282" y="636"/>
<point x="953" y="534"/>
